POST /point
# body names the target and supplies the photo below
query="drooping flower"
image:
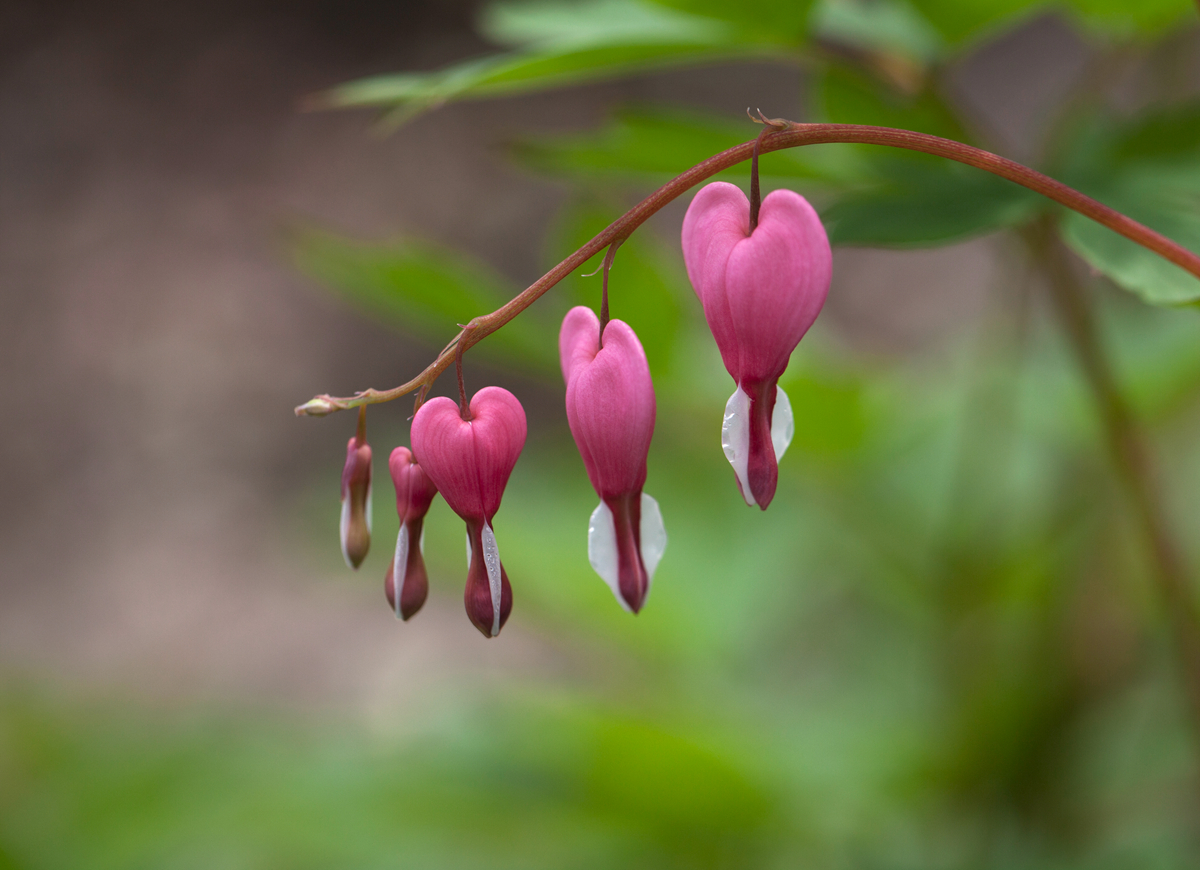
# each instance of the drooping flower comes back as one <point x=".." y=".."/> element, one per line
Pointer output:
<point x="610" y="408"/>
<point x="470" y="460"/>
<point x="355" y="526"/>
<point x="761" y="291"/>
<point x="406" y="583"/>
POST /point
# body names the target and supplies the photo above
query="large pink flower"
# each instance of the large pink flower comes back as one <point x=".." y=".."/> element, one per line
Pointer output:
<point x="406" y="583"/>
<point x="610" y="408"/>
<point x="470" y="460"/>
<point x="761" y="291"/>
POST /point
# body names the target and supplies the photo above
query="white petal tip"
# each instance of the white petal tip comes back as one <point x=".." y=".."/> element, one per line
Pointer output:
<point x="735" y="439"/>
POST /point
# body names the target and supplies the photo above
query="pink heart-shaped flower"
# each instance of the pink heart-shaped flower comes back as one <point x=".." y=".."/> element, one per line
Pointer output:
<point x="761" y="291"/>
<point x="469" y="461"/>
<point x="611" y="408"/>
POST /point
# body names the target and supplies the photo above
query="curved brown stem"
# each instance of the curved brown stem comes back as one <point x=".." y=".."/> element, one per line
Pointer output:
<point x="784" y="134"/>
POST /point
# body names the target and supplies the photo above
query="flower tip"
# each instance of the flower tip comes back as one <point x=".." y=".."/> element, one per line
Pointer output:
<point x="317" y="407"/>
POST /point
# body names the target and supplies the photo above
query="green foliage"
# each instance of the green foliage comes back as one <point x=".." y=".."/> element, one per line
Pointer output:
<point x="850" y="96"/>
<point x="653" y="145"/>
<point x="928" y="202"/>
<point x="777" y="20"/>
<point x="1116" y="18"/>
<point x="1150" y="170"/>
<point x="421" y="288"/>
<point x="885" y="27"/>
<point x="558" y="44"/>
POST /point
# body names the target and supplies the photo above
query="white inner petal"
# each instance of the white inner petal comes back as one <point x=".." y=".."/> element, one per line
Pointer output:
<point x="654" y="537"/>
<point x="735" y="438"/>
<point x="421" y="544"/>
<point x="491" y="558"/>
<point x="469" y="551"/>
<point x="602" y="550"/>
<point x="400" y="566"/>
<point x="344" y="530"/>
<point x="783" y="426"/>
<point x="369" y="505"/>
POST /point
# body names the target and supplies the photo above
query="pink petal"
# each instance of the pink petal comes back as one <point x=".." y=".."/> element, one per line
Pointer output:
<point x="610" y="401"/>
<point x="469" y="461"/>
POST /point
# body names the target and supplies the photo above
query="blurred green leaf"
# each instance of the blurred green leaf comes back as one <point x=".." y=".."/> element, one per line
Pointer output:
<point x="930" y="202"/>
<point x="849" y="96"/>
<point x="423" y="289"/>
<point x="1120" y="18"/>
<point x="649" y="144"/>
<point x="1149" y="169"/>
<point x="644" y="284"/>
<point x="596" y="22"/>
<point x="560" y="44"/>
<point x="780" y="20"/>
<point x="959" y="22"/>
<point x="888" y="27"/>
<point x="1153" y="200"/>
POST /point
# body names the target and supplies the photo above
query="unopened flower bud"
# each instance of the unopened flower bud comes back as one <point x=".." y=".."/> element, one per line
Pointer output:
<point x="317" y="407"/>
<point x="414" y="493"/>
<point x="761" y="291"/>
<point x="470" y="460"/>
<point x="356" y="497"/>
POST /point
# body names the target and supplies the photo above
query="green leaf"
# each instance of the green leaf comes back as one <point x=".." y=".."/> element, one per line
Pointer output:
<point x="782" y="20"/>
<point x="928" y="203"/>
<point x="644" y="285"/>
<point x="1121" y="18"/>
<point x="890" y="27"/>
<point x="598" y="22"/>
<point x="1149" y="169"/>
<point x="559" y="44"/>
<point x="654" y="145"/>
<point x="848" y="96"/>
<point x="423" y="289"/>
<point x="1152" y="199"/>
<point x="959" y="22"/>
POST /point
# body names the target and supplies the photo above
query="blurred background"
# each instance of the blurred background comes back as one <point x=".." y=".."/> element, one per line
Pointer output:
<point x="942" y="646"/>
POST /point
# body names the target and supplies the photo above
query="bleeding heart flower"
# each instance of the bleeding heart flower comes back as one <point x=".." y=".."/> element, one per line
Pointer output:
<point x="406" y="583"/>
<point x="761" y="291"/>
<point x="470" y="460"/>
<point x="610" y="408"/>
<point x="355" y="526"/>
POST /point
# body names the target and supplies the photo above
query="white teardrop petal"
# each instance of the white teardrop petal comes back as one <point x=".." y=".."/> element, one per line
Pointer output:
<point x="470" y="550"/>
<point x="783" y="426"/>
<point x="735" y="438"/>
<point x="344" y="530"/>
<point x="654" y="537"/>
<point x="421" y="544"/>
<point x="602" y="550"/>
<point x="400" y="566"/>
<point x="491" y="559"/>
<point x="369" y="503"/>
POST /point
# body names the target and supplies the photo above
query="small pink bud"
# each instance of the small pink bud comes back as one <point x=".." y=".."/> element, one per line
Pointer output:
<point x="414" y="493"/>
<point x="761" y="292"/>
<point x="356" y="501"/>
<point x="470" y="462"/>
<point x="611" y="408"/>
